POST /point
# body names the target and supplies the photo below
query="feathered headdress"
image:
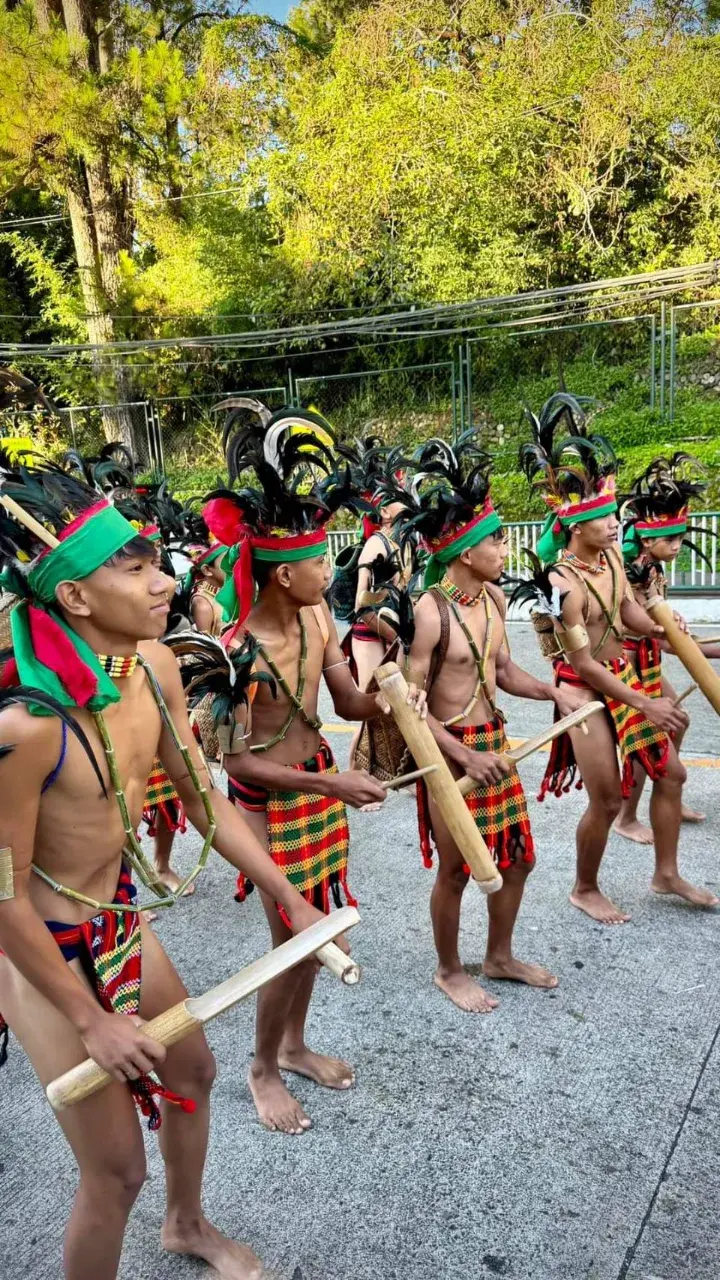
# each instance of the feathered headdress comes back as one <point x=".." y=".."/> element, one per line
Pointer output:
<point x="576" y="475"/>
<point x="658" y="503"/>
<point x="447" y="503"/>
<point x="372" y="463"/>
<point x="55" y="529"/>
<point x="208" y="669"/>
<point x="297" y="487"/>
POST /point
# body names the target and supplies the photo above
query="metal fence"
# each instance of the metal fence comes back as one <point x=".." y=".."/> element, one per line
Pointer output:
<point x="689" y="573"/>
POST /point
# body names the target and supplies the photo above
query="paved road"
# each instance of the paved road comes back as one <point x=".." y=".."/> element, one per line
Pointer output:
<point x="572" y="1135"/>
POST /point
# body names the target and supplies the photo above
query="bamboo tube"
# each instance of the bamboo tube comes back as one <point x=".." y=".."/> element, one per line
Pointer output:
<point x="704" y="639"/>
<point x="440" y="782"/>
<point x="183" y="1018"/>
<point x="575" y="719"/>
<point x="406" y="778"/>
<point x="685" y="648"/>
<point x="18" y="513"/>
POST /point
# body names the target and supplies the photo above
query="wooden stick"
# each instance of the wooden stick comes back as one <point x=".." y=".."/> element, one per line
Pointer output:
<point x="527" y="748"/>
<point x="18" y="513"/>
<point x="179" y="1021"/>
<point x="685" y="648"/>
<point x="441" y="784"/>
<point x="682" y="696"/>
<point x="407" y="778"/>
<point x="705" y="639"/>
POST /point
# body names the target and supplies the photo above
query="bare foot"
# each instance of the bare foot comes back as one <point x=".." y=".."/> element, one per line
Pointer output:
<point x="228" y="1259"/>
<point x="332" y="1073"/>
<point x="597" y="906"/>
<point x="276" y="1107"/>
<point x="683" y="889"/>
<point x="149" y="916"/>
<point x="691" y="815"/>
<point x="465" y="992"/>
<point x="515" y="971"/>
<point x="172" y="881"/>
<point x="636" y="831"/>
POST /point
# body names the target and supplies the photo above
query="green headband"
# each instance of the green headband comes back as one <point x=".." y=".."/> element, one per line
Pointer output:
<point x="552" y="540"/>
<point x="238" y="577"/>
<point x="49" y="655"/>
<point x="632" y="538"/>
<point x="467" y="537"/>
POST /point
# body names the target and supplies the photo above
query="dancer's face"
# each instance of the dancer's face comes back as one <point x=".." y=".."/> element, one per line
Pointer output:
<point x="306" y="580"/>
<point x="663" y="549"/>
<point x="596" y="535"/>
<point x="126" y="599"/>
<point x="487" y="558"/>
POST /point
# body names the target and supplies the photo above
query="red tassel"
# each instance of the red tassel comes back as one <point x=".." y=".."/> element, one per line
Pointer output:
<point x="243" y="579"/>
<point x="224" y="519"/>
<point x="56" y="651"/>
<point x="9" y="676"/>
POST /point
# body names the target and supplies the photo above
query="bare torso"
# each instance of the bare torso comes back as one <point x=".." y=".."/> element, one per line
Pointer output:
<point x="79" y="834"/>
<point x="270" y="714"/>
<point x="455" y="682"/>
<point x="611" y="590"/>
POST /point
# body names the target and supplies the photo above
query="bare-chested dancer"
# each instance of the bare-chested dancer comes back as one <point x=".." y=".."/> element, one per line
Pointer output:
<point x="597" y="606"/>
<point x="282" y="772"/>
<point x="654" y="536"/>
<point x="460" y="651"/>
<point x="70" y="964"/>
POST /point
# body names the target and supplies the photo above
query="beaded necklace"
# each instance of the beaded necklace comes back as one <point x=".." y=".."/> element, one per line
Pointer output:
<point x="119" y="668"/>
<point x="453" y="592"/>
<point x="132" y="851"/>
<point x="481" y="659"/>
<point x="570" y="558"/>
<point x="296" y="699"/>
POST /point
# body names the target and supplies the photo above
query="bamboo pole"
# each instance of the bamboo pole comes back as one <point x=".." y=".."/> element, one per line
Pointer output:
<point x="575" y="719"/>
<point x="685" y="648"/>
<point x="441" y="784"/>
<point x="685" y="694"/>
<point x="18" y="513"/>
<point x="183" y="1018"/>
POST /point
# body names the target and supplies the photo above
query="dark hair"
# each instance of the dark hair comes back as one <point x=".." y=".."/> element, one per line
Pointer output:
<point x="138" y="548"/>
<point x="262" y="572"/>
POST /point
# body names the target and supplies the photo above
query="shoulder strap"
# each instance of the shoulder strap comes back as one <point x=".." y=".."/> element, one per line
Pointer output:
<point x="440" y="650"/>
<point x="583" y="583"/>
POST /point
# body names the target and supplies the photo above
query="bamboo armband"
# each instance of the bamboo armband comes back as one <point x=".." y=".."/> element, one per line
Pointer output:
<point x="7" y="878"/>
<point x="574" y="638"/>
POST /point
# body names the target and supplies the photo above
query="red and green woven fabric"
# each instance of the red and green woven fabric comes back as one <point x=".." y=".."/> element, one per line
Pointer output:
<point x="645" y="655"/>
<point x="636" y="737"/>
<point x="308" y="836"/>
<point x="499" y="811"/>
<point x="162" y="798"/>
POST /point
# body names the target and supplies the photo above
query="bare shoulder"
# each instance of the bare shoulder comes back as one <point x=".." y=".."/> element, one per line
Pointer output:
<point x="34" y="740"/>
<point x="374" y="547"/>
<point x="427" y="617"/>
<point x="163" y="662"/>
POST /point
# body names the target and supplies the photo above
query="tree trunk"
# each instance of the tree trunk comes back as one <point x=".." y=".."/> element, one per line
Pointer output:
<point x="98" y="217"/>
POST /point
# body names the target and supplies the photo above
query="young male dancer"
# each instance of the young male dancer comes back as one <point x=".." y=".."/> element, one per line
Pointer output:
<point x="460" y="650"/>
<point x="595" y="607"/>
<point x="654" y="533"/>
<point x="76" y="958"/>
<point x="281" y="770"/>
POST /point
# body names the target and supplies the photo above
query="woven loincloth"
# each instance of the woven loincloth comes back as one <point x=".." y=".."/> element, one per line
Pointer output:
<point x="308" y="835"/>
<point x="162" y="798"/>
<point x="499" y="811"/>
<point x="645" y="655"/>
<point x="109" y="948"/>
<point x="636" y="737"/>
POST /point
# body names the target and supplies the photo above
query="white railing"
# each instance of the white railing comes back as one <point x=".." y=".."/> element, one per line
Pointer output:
<point x="688" y="573"/>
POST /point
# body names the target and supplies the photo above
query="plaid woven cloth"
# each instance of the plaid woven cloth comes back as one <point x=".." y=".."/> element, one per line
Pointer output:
<point x="500" y="811"/>
<point x="308" y="835"/>
<point x="645" y="655"/>
<point x="162" y="798"/>
<point x="636" y="737"/>
<point x="109" y="947"/>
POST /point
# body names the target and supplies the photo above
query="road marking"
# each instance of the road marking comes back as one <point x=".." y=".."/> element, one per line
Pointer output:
<point x="690" y="762"/>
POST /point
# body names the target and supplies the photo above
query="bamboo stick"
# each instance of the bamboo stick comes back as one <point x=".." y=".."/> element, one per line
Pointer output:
<point x="406" y="778"/>
<point x="183" y="1018"/>
<point x="704" y="639"/>
<point x="575" y="719"/>
<point x="18" y="513"/>
<point x="682" y="696"/>
<point x="440" y="782"/>
<point x="685" y="648"/>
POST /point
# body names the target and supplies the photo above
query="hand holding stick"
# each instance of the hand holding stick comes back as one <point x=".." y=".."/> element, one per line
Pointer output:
<point x="406" y="778"/>
<point x="179" y="1021"/>
<point x="575" y="719"/>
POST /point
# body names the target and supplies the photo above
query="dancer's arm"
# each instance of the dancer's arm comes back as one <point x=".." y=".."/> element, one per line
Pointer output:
<point x="348" y="701"/>
<point x="373" y="548"/>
